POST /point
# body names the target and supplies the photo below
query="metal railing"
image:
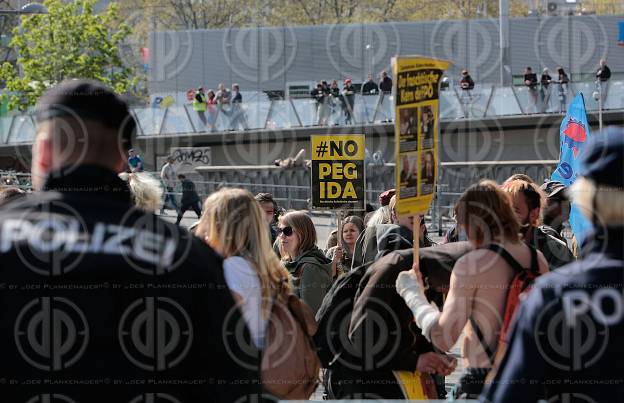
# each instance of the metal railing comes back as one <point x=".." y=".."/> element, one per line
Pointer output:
<point x="484" y="101"/>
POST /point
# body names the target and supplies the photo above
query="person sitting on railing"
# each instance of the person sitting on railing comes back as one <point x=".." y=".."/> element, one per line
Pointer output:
<point x="370" y="87"/>
<point x="348" y="100"/>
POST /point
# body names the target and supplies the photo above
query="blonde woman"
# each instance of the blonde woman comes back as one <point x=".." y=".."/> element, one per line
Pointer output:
<point x="309" y="269"/>
<point x="233" y="225"/>
<point x="146" y="191"/>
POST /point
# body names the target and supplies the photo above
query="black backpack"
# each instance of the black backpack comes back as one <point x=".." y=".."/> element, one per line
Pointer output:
<point x="333" y="317"/>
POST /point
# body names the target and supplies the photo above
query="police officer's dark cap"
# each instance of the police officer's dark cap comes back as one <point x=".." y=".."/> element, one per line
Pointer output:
<point x="603" y="158"/>
<point x="87" y="99"/>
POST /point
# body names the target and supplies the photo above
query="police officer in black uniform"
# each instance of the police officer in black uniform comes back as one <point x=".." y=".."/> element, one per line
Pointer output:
<point x="99" y="301"/>
<point x="566" y="344"/>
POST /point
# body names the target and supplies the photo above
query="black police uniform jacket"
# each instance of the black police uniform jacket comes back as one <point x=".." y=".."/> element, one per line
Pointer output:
<point x="566" y="343"/>
<point x="102" y="302"/>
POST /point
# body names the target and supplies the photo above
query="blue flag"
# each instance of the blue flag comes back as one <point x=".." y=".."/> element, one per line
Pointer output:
<point x="573" y="135"/>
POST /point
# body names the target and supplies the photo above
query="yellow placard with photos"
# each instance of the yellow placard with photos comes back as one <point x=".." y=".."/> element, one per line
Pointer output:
<point x="417" y="117"/>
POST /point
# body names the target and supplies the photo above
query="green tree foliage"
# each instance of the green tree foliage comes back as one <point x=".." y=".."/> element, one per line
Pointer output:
<point x="71" y="41"/>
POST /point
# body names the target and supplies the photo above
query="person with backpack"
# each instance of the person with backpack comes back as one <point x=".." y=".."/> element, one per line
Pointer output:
<point x="233" y="224"/>
<point x="367" y="338"/>
<point x="309" y="269"/>
<point x="578" y="307"/>
<point x="477" y="302"/>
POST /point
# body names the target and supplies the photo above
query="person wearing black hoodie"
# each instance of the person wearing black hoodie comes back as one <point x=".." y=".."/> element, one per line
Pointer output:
<point x="310" y="270"/>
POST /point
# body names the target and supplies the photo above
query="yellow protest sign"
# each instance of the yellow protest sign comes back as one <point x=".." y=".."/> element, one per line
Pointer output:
<point x="338" y="172"/>
<point x="416" y="98"/>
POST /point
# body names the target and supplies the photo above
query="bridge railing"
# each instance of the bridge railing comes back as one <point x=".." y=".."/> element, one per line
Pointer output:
<point x="484" y="101"/>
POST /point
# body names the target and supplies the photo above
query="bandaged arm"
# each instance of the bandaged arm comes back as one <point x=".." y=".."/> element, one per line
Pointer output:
<point x="426" y="314"/>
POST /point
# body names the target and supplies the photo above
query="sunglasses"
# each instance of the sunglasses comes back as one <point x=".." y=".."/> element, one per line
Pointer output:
<point x="287" y="231"/>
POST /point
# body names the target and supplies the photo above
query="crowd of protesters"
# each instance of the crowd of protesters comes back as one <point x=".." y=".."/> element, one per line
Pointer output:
<point x="147" y="302"/>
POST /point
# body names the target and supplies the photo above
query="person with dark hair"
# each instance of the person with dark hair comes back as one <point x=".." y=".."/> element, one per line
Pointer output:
<point x="120" y="293"/>
<point x="563" y="82"/>
<point x="545" y="81"/>
<point x="348" y="101"/>
<point x="581" y="301"/>
<point x="269" y="206"/>
<point x="530" y="81"/>
<point x="190" y="198"/>
<point x="528" y="202"/>
<point x="478" y="285"/>
<point x="466" y="82"/>
<point x="603" y="74"/>
<point x="135" y="162"/>
<point x="385" y="84"/>
<point x="370" y="87"/>
<point x="200" y="104"/>
<point x="9" y="194"/>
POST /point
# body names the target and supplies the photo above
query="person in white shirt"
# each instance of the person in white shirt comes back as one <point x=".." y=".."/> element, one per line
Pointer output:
<point x="233" y="225"/>
<point x="168" y="176"/>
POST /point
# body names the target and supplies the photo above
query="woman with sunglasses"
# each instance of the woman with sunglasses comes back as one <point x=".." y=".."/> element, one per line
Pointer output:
<point x="233" y="225"/>
<point x="309" y="269"/>
<point x="341" y="255"/>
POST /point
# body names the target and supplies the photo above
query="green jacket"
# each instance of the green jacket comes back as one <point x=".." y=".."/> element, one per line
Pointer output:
<point x="310" y="275"/>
